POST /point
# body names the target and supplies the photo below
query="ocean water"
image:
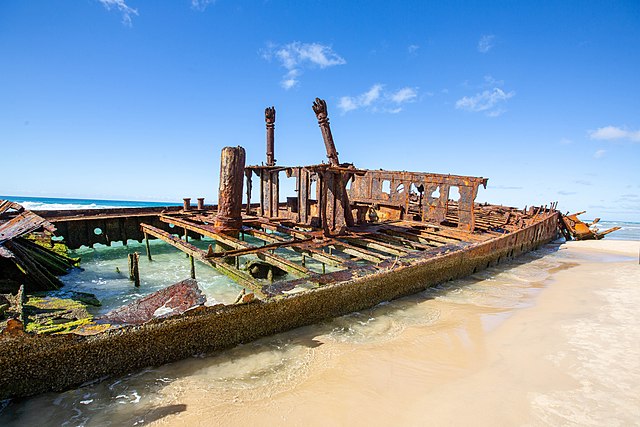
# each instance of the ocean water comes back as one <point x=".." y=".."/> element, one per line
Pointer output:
<point x="628" y="230"/>
<point x="49" y="203"/>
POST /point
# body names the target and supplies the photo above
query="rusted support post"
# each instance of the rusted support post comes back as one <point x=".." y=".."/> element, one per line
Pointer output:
<point x="229" y="215"/>
<point x="134" y="271"/>
<point x="335" y="205"/>
<point x="186" y="238"/>
<point x="248" y="173"/>
<point x="270" y="120"/>
<point x="186" y="203"/>
<point x="200" y="203"/>
<point x="193" y="267"/>
<point x="320" y="108"/>
<point x="146" y="243"/>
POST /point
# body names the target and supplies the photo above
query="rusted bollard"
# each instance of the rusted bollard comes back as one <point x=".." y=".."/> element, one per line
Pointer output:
<point x="200" y="203"/>
<point x="134" y="271"/>
<point x="230" y="194"/>
<point x="186" y="204"/>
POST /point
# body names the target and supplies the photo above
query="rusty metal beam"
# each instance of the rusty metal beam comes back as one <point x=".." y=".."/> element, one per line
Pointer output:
<point x="356" y="251"/>
<point x="286" y="230"/>
<point x="412" y="237"/>
<point x="372" y="244"/>
<point x="209" y="231"/>
<point x="296" y="246"/>
<point x="398" y="240"/>
<point x="251" y="250"/>
<point x="239" y="276"/>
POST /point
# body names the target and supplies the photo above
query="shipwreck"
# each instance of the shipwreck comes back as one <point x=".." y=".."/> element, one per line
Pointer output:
<point x="348" y="239"/>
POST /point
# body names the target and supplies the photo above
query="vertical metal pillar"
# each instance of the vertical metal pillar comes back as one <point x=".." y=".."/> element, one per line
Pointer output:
<point x="270" y="120"/>
<point x="229" y="215"/>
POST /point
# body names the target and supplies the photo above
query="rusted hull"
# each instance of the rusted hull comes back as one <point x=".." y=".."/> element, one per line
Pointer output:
<point x="35" y="364"/>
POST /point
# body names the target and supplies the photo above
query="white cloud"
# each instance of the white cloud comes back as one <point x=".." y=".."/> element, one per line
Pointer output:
<point x="599" y="154"/>
<point x="613" y="132"/>
<point x="296" y="56"/>
<point x="406" y="94"/>
<point x="347" y="103"/>
<point x="485" y="43"/>
<point x="126" y="11"/>
<point x="487" y="101"/>
<point x="413" y="48"/>
<point x="371" y="95"/>
<point x="377" y="100"/>
<point x="290" y="79"/>
<point x="496" y="113"/>
<point x="489" y="81"/>
<point x="201" y="4"/>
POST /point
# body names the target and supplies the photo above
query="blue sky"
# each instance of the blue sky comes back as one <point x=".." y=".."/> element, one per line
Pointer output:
<point x="132" y="99"/>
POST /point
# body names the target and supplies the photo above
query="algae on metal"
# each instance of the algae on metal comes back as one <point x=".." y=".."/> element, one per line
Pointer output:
<point x="47" y="315"/>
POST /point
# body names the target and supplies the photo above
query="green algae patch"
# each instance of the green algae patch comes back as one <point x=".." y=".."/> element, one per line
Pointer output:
<point x="48" y="315"/>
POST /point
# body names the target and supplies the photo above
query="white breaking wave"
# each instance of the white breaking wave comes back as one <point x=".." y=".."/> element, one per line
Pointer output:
<point x="41" y="206"/>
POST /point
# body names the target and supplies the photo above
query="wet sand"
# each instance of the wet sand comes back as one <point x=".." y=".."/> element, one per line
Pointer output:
<point x="565" y="353"/>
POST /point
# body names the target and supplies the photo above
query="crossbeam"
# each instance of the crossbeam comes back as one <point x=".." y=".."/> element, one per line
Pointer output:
<point x="313" y="253"/>
<point x="239" y="276"/>
<point x="209" y="231"/>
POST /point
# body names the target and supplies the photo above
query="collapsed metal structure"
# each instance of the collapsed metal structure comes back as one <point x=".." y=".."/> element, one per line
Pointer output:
<point x="350" y="238"/>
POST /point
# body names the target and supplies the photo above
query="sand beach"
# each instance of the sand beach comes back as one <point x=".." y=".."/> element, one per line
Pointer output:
<point x="565" y="351"/>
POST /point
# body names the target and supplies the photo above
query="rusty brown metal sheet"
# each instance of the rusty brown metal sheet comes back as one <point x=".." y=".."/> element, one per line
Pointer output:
<point x="22" y="223"/>
<point x="170" y="301"/>
<point x="574" y="228"/>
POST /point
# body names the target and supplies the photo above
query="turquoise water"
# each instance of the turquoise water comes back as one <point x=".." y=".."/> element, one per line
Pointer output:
<point x="104" y="271"/>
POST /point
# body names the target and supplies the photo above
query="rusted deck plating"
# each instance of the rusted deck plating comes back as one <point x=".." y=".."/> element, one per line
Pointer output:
<point x="357" y="221"/>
